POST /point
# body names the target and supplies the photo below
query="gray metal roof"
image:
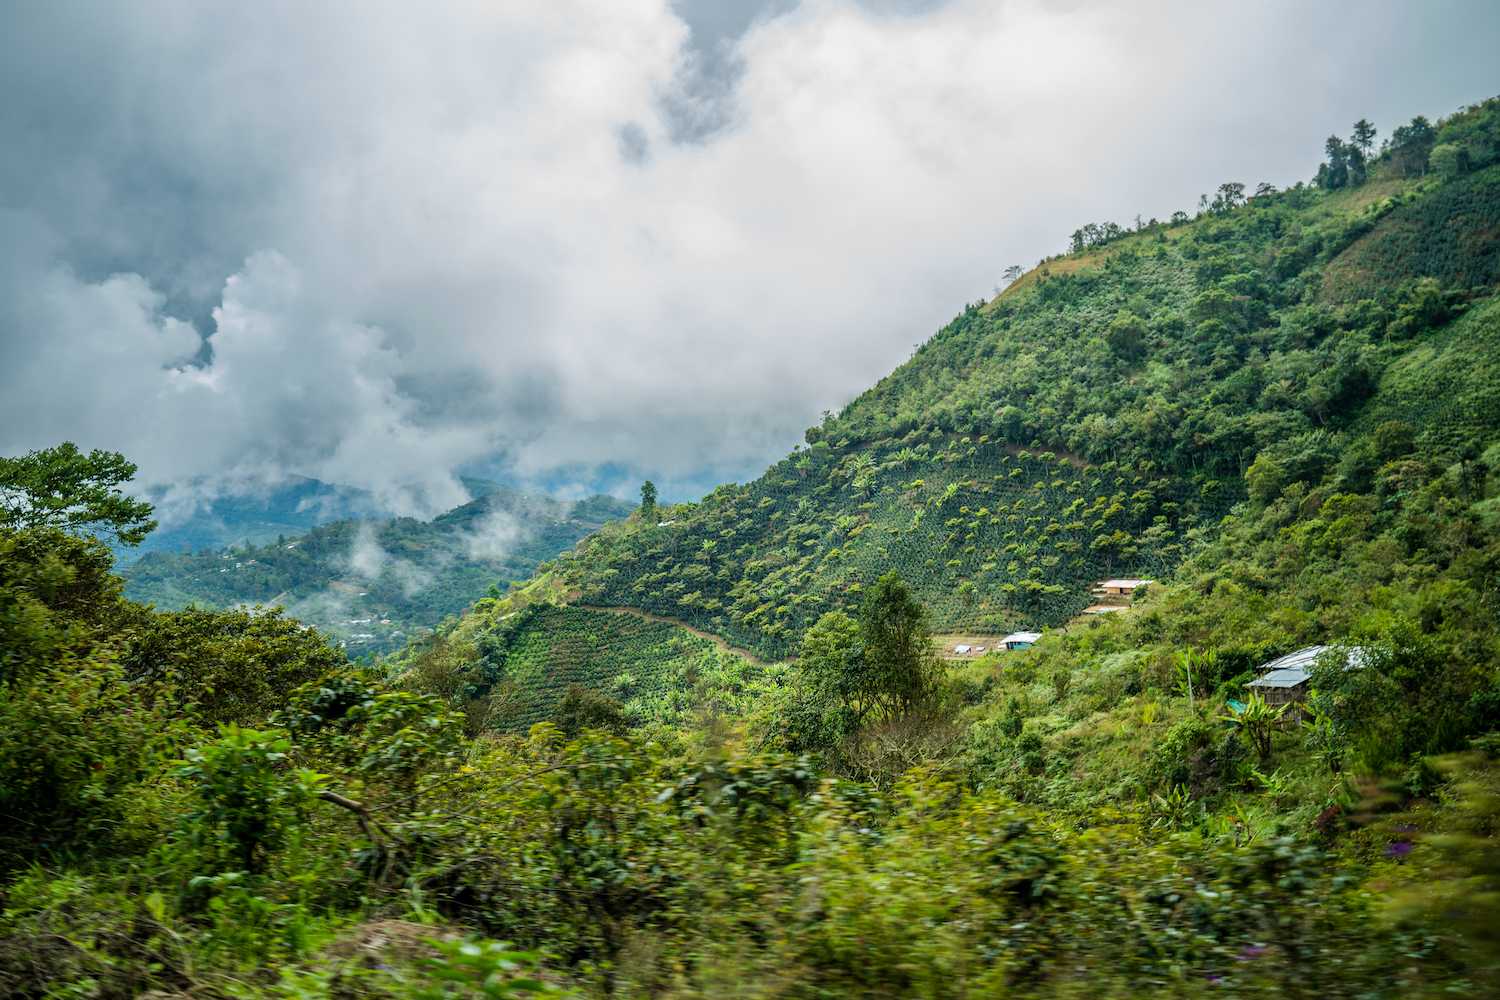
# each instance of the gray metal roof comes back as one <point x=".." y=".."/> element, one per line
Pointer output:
<point x="1288" y="678"/>
<point x="1295" y="668"/>
<point x="1022" y="637"/>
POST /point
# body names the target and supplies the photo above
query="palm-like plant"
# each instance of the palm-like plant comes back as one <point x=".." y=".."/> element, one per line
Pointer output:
<point x="1257" y="720"/>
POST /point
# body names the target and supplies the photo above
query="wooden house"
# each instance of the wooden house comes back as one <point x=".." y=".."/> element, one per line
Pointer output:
<point x="1288" y="681"/>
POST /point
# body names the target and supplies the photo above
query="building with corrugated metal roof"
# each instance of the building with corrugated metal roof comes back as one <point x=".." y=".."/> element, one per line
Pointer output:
<point x="1020" y="640"/>
<point x="1288" y="680"/>
<point x="1120" y="586"/>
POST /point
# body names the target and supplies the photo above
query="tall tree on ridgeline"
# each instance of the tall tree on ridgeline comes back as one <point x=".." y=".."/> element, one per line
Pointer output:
<point x="648" y="501"/>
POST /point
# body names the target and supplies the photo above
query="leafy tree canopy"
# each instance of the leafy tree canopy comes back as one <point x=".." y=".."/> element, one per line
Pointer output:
<point x="62" y="487"/>
<point x="227" y="666"/>
<point x="878" y="667"/>
<point x="580" y="709"/>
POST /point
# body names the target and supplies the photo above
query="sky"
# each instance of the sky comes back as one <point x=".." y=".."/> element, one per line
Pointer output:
<point x="574" y="244"/>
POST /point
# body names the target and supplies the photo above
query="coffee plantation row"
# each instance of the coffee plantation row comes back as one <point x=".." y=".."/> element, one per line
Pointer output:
<point x="992" y="539"/>
<point x="662" y="673"/>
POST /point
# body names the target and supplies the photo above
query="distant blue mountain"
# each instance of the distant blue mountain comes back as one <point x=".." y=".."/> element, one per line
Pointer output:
<point x="261" y="516"/>
<point x="258" y="517"/>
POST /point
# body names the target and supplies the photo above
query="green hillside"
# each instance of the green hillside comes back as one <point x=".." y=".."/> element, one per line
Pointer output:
<point x="992" y="540"/>
<point x="375" y="582"/>
<point x="1100" y="416"/>
<point x="660" y="672"/>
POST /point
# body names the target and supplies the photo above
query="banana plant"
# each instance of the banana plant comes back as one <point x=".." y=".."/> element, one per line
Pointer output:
<point x="1257" y="720"/>
<point x="1173" y="811"/>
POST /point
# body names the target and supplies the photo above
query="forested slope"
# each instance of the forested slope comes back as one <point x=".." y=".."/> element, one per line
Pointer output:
<point x="1102" y="414"/>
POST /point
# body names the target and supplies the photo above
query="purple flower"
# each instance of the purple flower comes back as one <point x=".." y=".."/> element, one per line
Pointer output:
<point x="1399" y="849"/>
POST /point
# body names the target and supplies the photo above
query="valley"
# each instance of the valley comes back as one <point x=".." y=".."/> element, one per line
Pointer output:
<point x="372" y="583"/>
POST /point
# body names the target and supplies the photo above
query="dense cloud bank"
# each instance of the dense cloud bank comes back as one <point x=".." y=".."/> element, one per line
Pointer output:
<point x="575" y="243"/>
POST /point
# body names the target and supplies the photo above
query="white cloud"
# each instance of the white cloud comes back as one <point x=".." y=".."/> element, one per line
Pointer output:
<point x="460" y="235"/>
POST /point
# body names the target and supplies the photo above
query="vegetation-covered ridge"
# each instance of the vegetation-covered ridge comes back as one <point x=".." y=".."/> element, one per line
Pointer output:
<point x="374" y="582"/>
<point x="1102" y="414"/>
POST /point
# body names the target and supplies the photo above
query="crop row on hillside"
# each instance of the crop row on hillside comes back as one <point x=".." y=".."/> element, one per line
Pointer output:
<point x="661" y="672"/>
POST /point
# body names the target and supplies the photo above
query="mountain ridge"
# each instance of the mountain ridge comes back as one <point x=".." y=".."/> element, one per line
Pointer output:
<point x="1166" y="360"/>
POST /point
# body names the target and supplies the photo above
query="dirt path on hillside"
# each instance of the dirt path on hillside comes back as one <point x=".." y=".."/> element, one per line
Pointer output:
<point x="698" y="632"/>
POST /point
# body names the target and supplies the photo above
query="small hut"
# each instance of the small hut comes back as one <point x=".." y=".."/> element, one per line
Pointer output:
<point x="1020" y="640"/>
<point x="1121" y="587"/>
<point x="1288" y="680"/>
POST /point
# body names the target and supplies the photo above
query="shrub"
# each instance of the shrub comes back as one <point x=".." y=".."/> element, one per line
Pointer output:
<point x="579" y="709"/>
<point x="1172" y="757"/>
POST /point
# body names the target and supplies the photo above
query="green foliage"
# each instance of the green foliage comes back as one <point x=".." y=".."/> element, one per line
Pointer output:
<point x="648" y="501"/>
<point x="75" y="738"/>
<point x="63" y="488"/>
<point x="1171" y="757"/>
<point x="660" y="672"/>
<point x="579" y="709"/>
<point x="56" y="594"/>
<point x="245" y="805"/>
<point x="76" y="729"/>
<point x="1257" y="720"/>
<point x="1127" y="336"/>
<point x="1397" y="694"/>
<point x="868" y="695"/>
<point x="227" y="666"/>
<point x="358" y="724"/>
<point x="901" y="673"/>
<point x="482" y="969"/>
